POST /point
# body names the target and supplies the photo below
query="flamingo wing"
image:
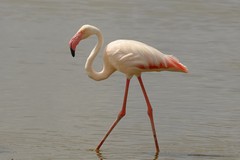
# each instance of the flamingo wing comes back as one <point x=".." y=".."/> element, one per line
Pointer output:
<point x="133" y="57"/>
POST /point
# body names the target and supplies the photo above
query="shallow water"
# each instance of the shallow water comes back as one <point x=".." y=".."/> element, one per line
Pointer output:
<point x="50" y="109"/>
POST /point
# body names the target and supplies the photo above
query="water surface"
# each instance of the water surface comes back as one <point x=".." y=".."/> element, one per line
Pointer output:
<point x="50" y="109"/>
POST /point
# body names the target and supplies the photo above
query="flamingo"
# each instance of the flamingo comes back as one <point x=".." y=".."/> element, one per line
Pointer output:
<point x="129" y="57"/>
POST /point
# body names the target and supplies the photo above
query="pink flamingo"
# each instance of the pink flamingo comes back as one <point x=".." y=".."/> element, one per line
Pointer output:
<point x="129" y="57"/>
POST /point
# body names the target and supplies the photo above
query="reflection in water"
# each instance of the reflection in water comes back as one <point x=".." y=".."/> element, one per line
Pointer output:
<point x="101" y="157"/>
<point x="177" y="155"/>
<point x="99" y="154"/>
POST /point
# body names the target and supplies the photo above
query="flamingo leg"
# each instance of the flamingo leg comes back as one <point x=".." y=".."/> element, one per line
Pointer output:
<point x="119" y="117"/>
<point x="150" y="113"/>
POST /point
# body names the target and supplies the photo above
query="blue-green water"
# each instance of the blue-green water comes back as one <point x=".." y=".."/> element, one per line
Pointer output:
<point x="51" y="110"/>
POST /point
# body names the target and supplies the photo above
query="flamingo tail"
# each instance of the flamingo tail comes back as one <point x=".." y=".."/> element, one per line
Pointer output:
<point x="175" y="65"/>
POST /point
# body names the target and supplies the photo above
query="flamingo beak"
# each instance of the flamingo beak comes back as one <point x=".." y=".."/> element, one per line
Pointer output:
<point x="74" y="42"/>
<point x="72" y="51"/>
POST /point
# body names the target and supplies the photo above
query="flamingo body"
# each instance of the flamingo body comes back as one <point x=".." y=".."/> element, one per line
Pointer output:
<point x="133" y="57"/>
<point x="129" y="57"/>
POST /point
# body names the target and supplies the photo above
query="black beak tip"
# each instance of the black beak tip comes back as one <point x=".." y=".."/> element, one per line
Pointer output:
<point x="72" y="52"/>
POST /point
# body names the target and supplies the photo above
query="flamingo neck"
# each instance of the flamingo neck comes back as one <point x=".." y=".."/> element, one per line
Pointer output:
<point x="104" y="73"/>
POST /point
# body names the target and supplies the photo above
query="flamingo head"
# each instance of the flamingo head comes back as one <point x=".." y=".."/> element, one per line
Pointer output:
<point x="84" y="32"/>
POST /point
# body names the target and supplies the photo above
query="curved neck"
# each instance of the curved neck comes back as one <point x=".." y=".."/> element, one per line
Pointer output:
<point x="106" y="71"/>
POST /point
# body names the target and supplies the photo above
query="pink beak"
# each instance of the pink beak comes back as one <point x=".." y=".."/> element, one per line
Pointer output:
<point x="74" y="42"/>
